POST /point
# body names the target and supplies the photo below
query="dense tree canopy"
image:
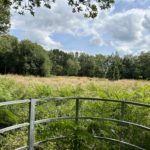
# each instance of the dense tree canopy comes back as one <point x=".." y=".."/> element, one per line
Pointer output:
<point x="87" y="64"/>
<point x="4" y="17"/>
<point x="144" y="65"/>
<point x="115" y="67"/>
<point x="22" y="57"/>
<point x="59" y="61"/>
<point x="129" y="66"/>
<point x="32" y="59"/>
<point x="73" y="66"/>
<point x="8" y="46"/>
<point x="27" y="58"/>
<point x="89" y="7"/>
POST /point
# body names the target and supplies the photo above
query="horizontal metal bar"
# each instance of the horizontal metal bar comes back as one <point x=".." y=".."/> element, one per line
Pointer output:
<point x="95" y="99"/>
<point x="52" y="119"/>
<point x="14" y="102"/>
<point x="93" y="118"/>
<point x="41" y="142"/>
<point x="119" y="121"/>
<point x="117" y="101"/>
<point x="72" y="118"/>
<point x="50" y="139"/>
<point x="22" y="148"/>
<point x="73" y="98"/>
<point x="55" y="98"/>
<point x="37" y="100"/>
<point x="14" y="127"/>
<point x="97" y="137"/>
<point x="117" y="141"/>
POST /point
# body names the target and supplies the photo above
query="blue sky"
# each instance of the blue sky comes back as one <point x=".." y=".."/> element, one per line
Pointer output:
<point x="124" y="28"/>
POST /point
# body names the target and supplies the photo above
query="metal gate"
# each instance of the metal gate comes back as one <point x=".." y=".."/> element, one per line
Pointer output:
<point x="32" y="122"/>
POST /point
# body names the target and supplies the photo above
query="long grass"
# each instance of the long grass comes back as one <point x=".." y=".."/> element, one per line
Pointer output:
<point x="14" y="87"/>
<point x="19" y="87"/>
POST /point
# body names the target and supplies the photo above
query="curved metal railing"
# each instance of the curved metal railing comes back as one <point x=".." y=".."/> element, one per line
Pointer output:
<point x="32" y="122"/>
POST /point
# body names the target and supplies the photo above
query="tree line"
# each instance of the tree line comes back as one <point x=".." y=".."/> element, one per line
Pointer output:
<point x="27" y="58"/>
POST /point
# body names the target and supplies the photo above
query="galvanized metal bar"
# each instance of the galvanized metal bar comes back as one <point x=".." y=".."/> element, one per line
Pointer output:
<point x="97" y="137"/>
<point x="76" y="121"/>
<point x="72" y="98"/>
<point x="22" y="148"/>
<point x="41" y="142"/>
<point x="122" y="113"/>
<point x="93" y="118"/>
<point x="115" y="101"/>
<point x="50" y="139"/>
<point x="55" y="99"/>
<point x="31" y="126"/>
<point x="94" y="99"/>
<point x="72" y="118"/>
<point x="14" y="102"/>
<point x="118" y="121"/>
<point x="53" y="119"/>
<point x="17" y="126"/>
<point x="77" y="110"/>
<point x="117" y="141"/>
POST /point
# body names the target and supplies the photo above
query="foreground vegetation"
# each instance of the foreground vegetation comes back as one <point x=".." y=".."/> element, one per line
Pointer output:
<point x="14" y="87"/>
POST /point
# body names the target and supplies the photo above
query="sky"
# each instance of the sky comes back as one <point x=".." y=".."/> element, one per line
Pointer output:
<point x="124" y="28"/>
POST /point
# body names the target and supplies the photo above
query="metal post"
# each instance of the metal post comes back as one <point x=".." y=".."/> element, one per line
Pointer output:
<point x="77" y="121"/>
<point x="31" y="125"/>
<point x="122" y="118"/>
<point x="122" y="110"/>
<point x="77" y="110"/>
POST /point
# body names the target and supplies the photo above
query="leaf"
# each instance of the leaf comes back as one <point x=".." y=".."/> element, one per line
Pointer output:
<point x="47" y="5"/>
<point x="32" y="13"/>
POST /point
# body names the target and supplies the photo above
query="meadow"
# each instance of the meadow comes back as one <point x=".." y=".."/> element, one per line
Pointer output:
<point x="14" y="87"/>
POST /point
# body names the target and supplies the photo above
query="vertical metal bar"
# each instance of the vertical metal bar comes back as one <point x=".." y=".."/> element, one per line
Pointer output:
<point x="122" y="118"/>
<point x="122" y="110"/>
<point x="76" y="121"/>
<point x="77" y="110"/>
<point x="31" y="126"/>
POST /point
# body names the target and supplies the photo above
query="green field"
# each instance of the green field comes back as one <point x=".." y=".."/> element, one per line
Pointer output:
<point x="13" y="87"/>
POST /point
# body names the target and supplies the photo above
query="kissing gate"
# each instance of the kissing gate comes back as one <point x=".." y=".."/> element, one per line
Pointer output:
<point x="32" y="122"/>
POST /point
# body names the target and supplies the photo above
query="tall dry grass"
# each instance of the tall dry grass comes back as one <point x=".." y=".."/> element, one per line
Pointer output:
<point x="14" y="87"/>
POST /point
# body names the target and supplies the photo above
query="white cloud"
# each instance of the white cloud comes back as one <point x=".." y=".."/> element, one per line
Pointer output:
<point x="124" y="31"/>
<point x="43" y="38"/>
<point x="146" y="22"/>
<point x="124" y="26"/>
<point x="41" y="27"/>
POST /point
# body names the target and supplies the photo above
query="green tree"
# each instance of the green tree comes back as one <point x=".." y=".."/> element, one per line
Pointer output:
<point x="58" y="70"/>
<point x="59" y="61"/>
<point x="8" y="46"/>
<point x="72" y="67"/>
<point x="87" y="64"/>
<point x="100" y="66"/>
<point x="32" y="59"/>
<point x="144" y="64"/>
<point x="115" y="67"/>
<point x="4" y="16"/>
<point x="89" y="7"/>
<point x="128" y="67"/>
